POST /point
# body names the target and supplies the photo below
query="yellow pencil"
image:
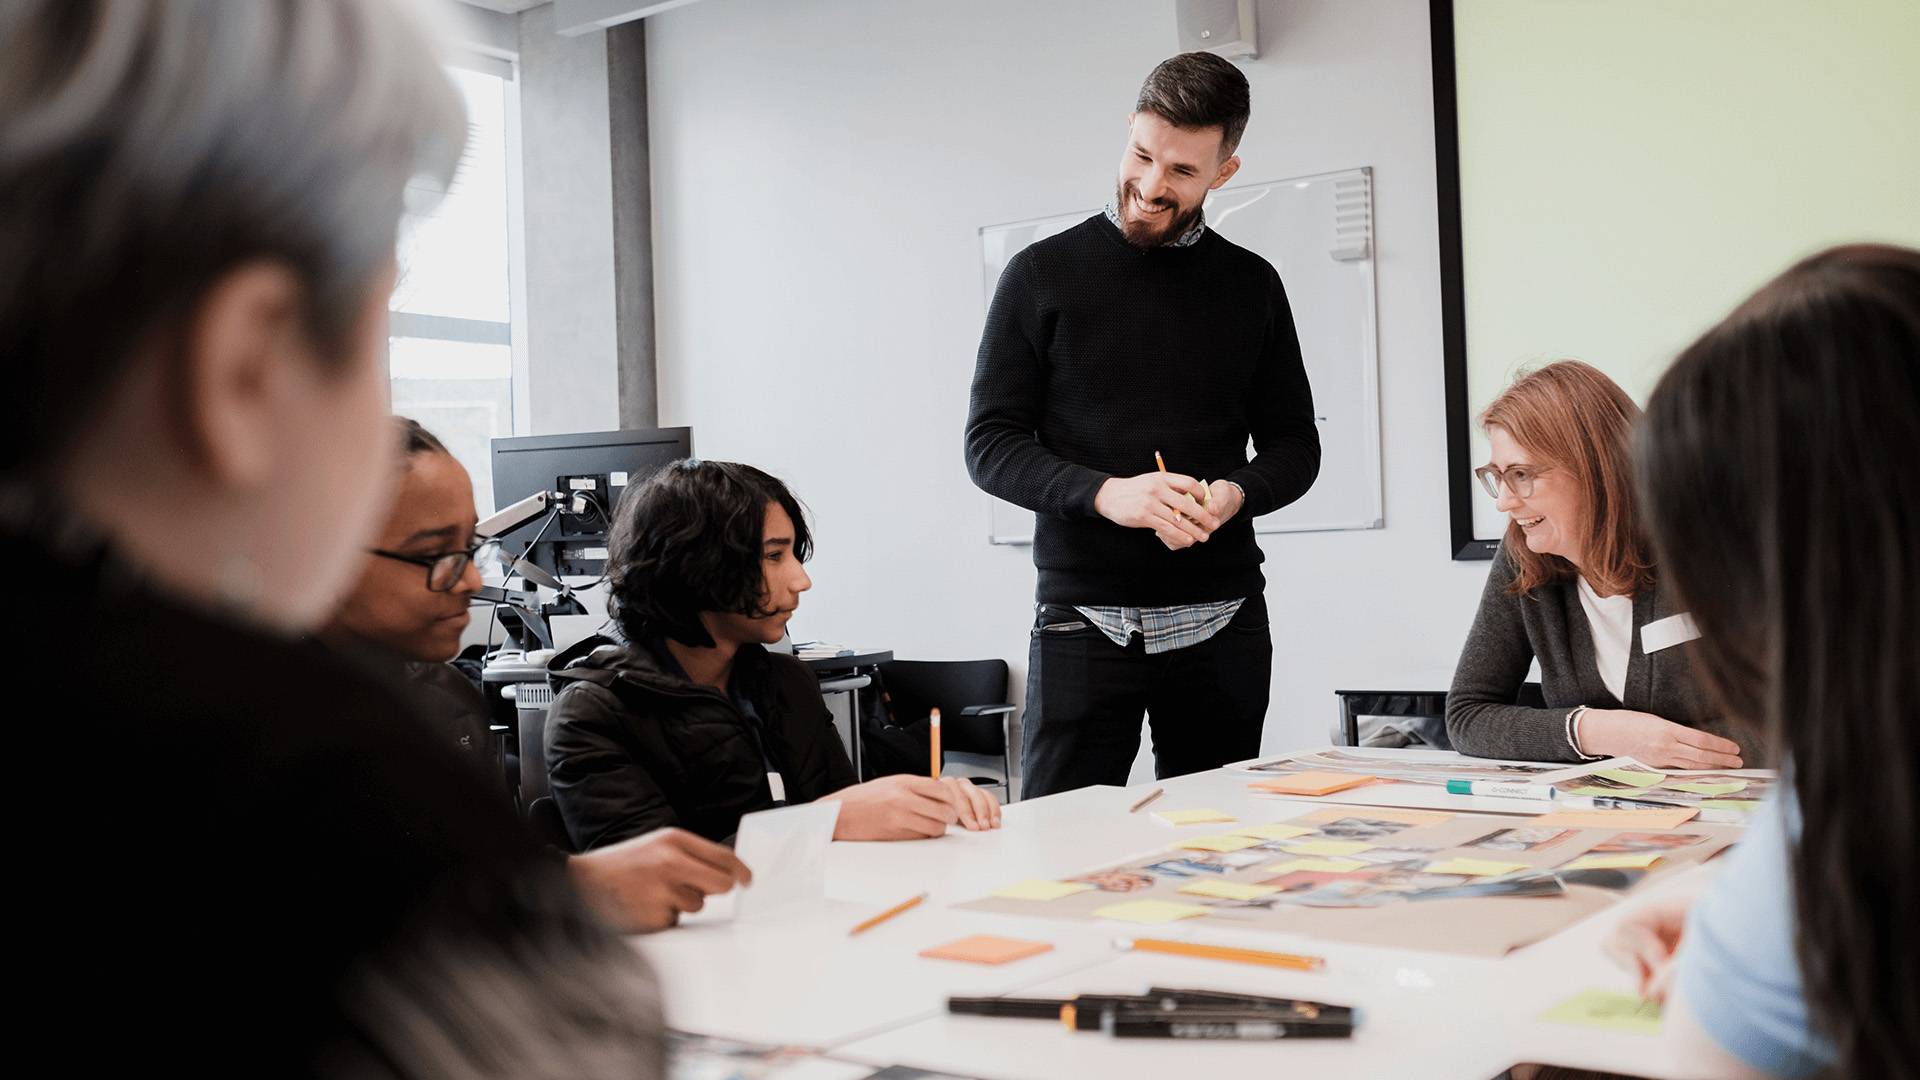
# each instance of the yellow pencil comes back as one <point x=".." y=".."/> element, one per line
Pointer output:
<point x="1222" y="952"/>
<point x="1162" y="463"/>
<point x="885" y="915"/>
<point x="933" y="737"/>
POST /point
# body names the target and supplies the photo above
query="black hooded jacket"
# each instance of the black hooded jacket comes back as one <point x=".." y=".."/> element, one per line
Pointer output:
<point x="633" y="745"/>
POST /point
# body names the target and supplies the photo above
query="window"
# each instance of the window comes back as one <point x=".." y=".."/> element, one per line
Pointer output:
<point x="450" y="336"/>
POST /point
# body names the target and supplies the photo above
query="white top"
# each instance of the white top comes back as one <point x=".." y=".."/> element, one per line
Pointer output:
<point x="1611" y="618"/>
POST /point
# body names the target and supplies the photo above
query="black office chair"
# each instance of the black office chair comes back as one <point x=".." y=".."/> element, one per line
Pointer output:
<point x="1408" y="717"/>
<point x="546" y="824"/>
<point x="975" y="716"/>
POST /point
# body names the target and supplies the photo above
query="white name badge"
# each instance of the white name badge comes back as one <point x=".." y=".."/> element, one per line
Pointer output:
<point x="778" y="786"/>
<point x="1668" y="632"/>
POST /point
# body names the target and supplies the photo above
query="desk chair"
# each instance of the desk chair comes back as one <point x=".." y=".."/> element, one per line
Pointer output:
<point x="975" y="717"/>
<point x="546" y="824"/>
<point x="1406" y="717"/>
<point x="851" y="685"/>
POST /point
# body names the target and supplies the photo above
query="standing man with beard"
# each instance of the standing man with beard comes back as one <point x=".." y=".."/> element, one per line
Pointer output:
<point x="1141" y="332"/>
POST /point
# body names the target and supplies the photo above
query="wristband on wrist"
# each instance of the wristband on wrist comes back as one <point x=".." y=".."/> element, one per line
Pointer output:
<point x="1573" y="733"/>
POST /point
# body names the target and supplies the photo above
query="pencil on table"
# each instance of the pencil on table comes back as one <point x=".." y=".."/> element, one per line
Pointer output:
<point x="887" y="914"/>
<point x="1145" y="799"/>
<point x="1222" y="952"/>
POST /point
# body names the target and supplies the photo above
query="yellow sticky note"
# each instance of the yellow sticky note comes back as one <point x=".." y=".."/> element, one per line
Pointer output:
<point x="1609" y="792"/>
<point x="1729" y="804"/>
<point x="1630" y="777"/>
<point x="1149" y="911"/>
<point x="1323" y="866"/>
<point x="1228" y="890"/>
<point x="1614" y="862"/>
<point x="1274" y="831"/>
<point x="1727" y="787"/>
<point x="1327" y="847"/>
<point x="1192" y="817"/>
<point x="1037" y="889"/>
<point x="1217" y="843"/>
<point x="1474" y="867"/>
<point x="1616" y="819"/>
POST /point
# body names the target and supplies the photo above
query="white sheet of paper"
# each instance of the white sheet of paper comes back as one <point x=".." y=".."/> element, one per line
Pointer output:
<point x="787" y="851"/>
<point x="1668" y="632"/>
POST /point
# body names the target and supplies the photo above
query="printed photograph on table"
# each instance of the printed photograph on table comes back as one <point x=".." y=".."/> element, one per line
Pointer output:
<point x="1483" y="886"/>
<point x="1650" y="841"/>
<point x="1525" y="839"/>
<point x="1361" y="828"/>
<point x="1412" y="767"/>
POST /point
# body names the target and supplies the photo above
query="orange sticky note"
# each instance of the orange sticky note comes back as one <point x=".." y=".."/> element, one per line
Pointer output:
<point x="1312" y="783"/>
<point x="1615" y="819"/>
<point x="986" y="949"/>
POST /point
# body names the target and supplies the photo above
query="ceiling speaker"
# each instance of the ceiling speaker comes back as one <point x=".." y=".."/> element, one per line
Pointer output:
<point x="1222" y="27"/>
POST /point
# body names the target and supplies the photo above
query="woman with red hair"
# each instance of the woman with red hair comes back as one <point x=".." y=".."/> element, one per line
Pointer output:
<point x="1573" y="586"/>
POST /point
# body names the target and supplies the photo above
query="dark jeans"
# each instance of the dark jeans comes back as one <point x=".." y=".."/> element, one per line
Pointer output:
<point x="1205" y="704"/>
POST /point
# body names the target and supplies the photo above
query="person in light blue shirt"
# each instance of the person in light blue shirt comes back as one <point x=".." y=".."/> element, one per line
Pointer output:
<point x="1737" y="971"/>
<point x="1777" y="466"/>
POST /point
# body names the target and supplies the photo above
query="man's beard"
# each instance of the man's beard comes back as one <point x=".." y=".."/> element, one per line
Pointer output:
<point x="1145" y="234"/>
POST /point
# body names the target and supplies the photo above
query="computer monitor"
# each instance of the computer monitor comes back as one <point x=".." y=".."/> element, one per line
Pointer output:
<point x="599" y="464"/>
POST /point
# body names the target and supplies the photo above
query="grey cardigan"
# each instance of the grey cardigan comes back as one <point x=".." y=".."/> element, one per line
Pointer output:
<point x="1509" y="631"/>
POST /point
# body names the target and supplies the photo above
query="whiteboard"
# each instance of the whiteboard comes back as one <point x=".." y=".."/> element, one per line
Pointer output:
<point x="1317" y="231"/>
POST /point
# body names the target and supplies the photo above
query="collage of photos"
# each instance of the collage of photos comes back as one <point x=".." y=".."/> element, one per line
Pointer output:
<point x="1364" y="857"/>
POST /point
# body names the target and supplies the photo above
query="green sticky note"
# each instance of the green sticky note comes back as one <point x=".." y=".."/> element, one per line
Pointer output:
<point x="1608" y="792"/>
<point x="1729" y="804"/>
<point x="1629" y="777"/>
<point x="1607" y="1009"/>
<point x="1700" y="788"/>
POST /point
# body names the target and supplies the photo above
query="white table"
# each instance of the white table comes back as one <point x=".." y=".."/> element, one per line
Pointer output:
<point x="800" y="979"/>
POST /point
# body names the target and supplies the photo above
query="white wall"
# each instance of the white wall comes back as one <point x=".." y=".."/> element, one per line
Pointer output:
<point x="820" y="169"/>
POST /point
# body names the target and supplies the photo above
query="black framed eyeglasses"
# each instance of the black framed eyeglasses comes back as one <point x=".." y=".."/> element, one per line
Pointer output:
<point x="1518" y="479"/>
<point x="445" y="570"/>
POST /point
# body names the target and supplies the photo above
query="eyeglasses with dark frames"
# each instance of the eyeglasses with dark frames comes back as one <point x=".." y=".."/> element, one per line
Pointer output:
<point x="445" y="570"/>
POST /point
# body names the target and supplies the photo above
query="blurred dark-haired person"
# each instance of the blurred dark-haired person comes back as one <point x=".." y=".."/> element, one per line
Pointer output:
<point x="273" y="870"/>
<point x="1142" y="331"/>
<point x="691" y="721"/>
<point x="404" y="618"/>
<point x="1777" y="470"/>
<point x="1573" y="587"/>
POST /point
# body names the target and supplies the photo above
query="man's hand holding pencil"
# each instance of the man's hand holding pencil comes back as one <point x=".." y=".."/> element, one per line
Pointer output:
<point x="1175" y="506"/>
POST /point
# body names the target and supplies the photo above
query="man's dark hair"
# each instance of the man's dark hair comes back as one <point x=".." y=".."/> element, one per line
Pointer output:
<point x="1199" y="90"/>
<point x="689" y="540"/>
<point x="416" y="440"/>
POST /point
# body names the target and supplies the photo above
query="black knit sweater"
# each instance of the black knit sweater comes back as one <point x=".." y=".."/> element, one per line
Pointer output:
<point x="1096" y="354"/>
